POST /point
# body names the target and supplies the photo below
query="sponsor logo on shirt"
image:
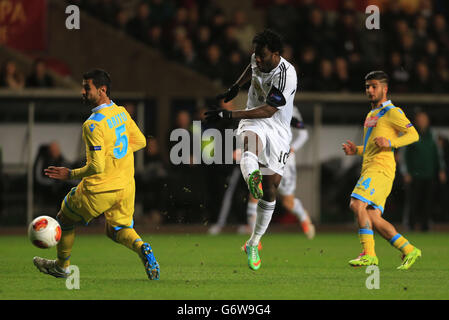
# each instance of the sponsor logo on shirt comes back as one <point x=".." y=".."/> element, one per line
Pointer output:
<point x="91" y="127"/>
<point x="371" y="122"/>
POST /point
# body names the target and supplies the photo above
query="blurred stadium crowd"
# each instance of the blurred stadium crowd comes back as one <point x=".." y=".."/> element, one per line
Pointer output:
<point x="326" y="40"/>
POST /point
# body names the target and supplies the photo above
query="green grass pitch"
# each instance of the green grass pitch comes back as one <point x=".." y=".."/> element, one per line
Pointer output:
<point x="213" y="267"/>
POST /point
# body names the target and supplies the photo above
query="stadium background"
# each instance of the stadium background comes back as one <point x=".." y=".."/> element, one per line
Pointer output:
<point x="168" y="59"/>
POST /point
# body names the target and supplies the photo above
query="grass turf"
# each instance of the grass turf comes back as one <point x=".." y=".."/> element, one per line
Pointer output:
<point x="213" y="267"/>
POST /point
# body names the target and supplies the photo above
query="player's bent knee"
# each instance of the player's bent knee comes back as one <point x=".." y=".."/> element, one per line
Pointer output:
<point x="356" y="205"/>
<point x="65" y="222"/>
<point x="110" y="232"/>
<point x="269" y="193"/>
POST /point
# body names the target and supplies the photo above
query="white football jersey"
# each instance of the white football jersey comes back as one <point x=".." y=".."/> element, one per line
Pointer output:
<point x="284" y="78"/>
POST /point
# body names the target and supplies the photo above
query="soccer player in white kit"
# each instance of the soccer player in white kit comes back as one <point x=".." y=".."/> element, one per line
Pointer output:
<point x="264" y="128"/>
<point x="287" y="186"/>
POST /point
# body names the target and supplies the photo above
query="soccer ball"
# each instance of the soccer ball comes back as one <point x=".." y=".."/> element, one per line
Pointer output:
<point x="44" y="232"/>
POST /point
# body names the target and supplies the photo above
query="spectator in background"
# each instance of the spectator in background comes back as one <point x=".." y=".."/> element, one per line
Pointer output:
<point x="392" y="15"/>
<point x="326" y="80"/>
<point x="39" y="77"/>
<point x="426" y="8"/>
<point x="346" y="83"/>
<point x="442" y="74"/>
<point x="229" y="43"/>
<point x="348" y="35"/>
<point x="213" y="66"/>
<point x="10" y="76"/>
<point x="422" y="167"/>
<point x="139" y="26"/>
<point x="180" y="19"/>
<point x="399" y="75"/>
<point x="421" y="32"/>
<point x="235" y="64"/>
<point x="193" y="19"/>
<point x="440" y="32"/>
<point x="179" y="35"/>
<point x="218" y="24"/>
<point x="399" y="29"/>
<point x="161" y="11"/>
<point x="188" y="55"/>
<point x="422" y="79"/>
<point x="244" y="31"/>
<point x="307" y="66"/>
<point x="408" y="50"/>
<point x="50" y="191"/>
<point x="152" y="182"/>
<point x="155" y="38"/>
<point x="202" y="40"/>
<point x="317" y="33"/>
<point x="121" y="20"/>
<point x="283" y="18"/>
<point x="431" y="54"/>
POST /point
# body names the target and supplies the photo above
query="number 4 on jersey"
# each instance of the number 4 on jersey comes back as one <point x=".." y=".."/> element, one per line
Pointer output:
<point x="365" y="183"/>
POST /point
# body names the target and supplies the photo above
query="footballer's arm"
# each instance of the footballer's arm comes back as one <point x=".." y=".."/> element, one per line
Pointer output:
<point x="95" y="155"/>
<point x="275" y="100"/>
<point x="245" y="76"/>
<point x="137" y="140"/>
<point x="264" y="111"/>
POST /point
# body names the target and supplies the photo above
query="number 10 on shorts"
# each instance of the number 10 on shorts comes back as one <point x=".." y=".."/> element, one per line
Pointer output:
<point x="283" y="157"/>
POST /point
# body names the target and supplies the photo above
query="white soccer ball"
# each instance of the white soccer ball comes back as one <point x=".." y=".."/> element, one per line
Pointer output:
<point x="44" y="232"/>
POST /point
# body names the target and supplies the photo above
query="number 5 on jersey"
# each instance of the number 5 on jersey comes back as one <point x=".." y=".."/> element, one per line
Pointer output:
<point x="122" y="139"/>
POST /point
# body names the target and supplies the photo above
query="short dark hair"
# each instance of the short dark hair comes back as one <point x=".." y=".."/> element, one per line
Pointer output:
<point x="378" y="75"/>
<point x="270" y="39"/>
<point x="99" y="78"/>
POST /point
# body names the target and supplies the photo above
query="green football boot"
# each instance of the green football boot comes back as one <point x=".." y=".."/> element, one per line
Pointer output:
<point x="253" y="257"/>
<point x="364" y="260"/>
<point x="409" y="259"/>
<point x="255" y="184"/>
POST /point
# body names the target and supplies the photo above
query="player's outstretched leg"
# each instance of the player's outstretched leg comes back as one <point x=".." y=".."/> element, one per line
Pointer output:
<point x="58" y="268"/>
<point x="128" y="237"/>
<point x="366" y="235"/>
<point x="295" y="205"/>
<point x="409" y="252"/>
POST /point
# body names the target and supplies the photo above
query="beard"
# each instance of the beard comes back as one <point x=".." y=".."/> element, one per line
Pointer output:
<point x="375" y="100"/>
<point x="89" y="102"/>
